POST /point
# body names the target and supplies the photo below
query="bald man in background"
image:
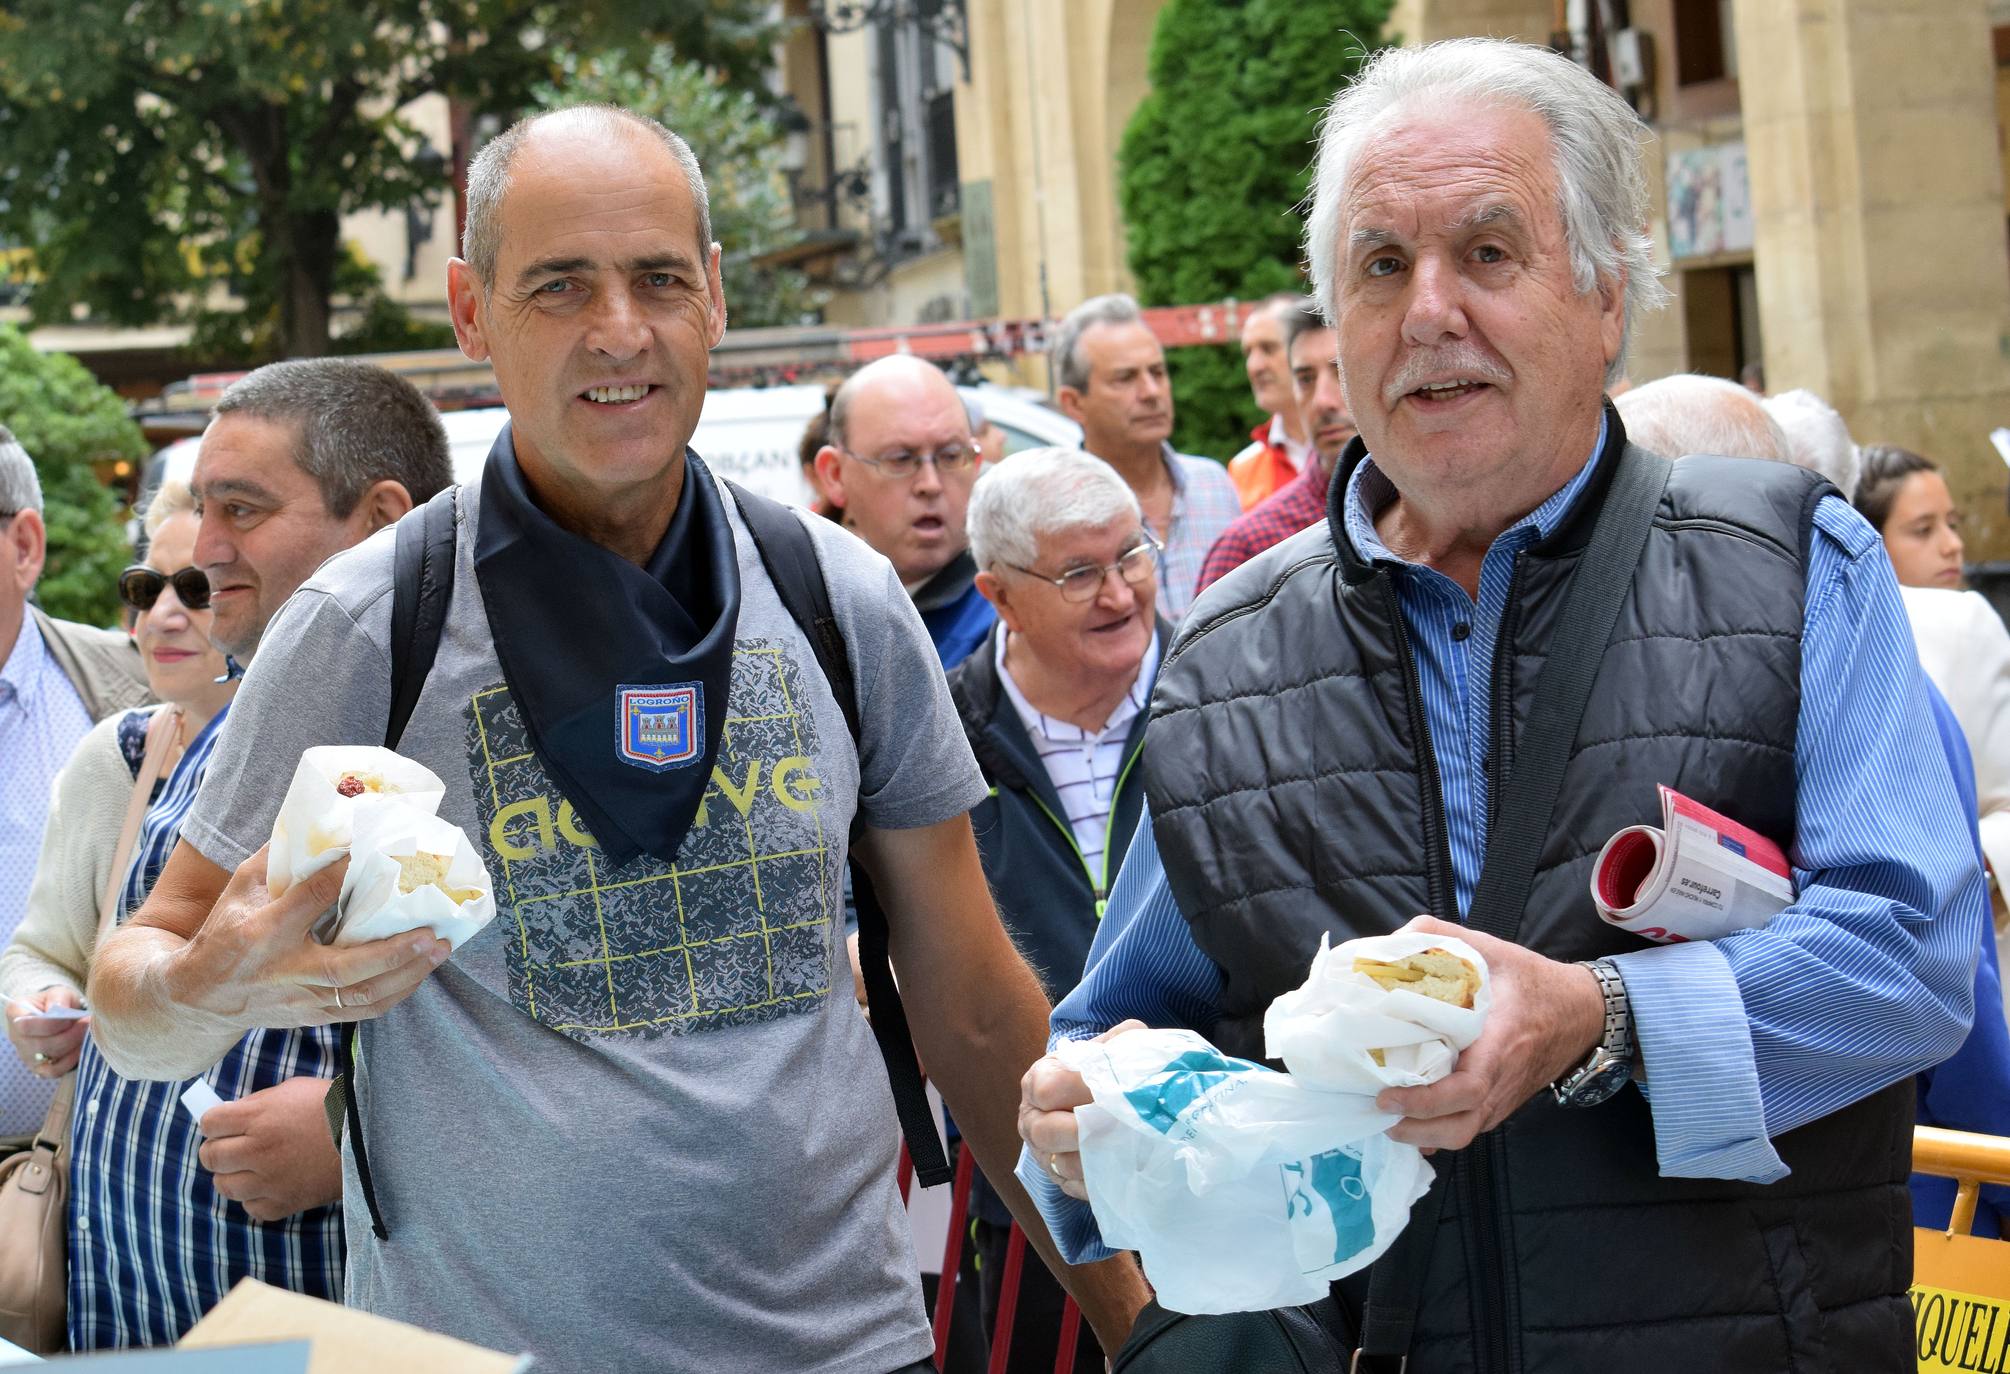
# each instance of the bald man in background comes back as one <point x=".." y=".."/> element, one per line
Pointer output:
<point x="896" y="470"/>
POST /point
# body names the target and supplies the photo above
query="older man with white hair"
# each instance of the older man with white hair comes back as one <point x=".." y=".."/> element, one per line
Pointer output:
<point x="1513" y="629"/>
<point x="1054" y="708"/>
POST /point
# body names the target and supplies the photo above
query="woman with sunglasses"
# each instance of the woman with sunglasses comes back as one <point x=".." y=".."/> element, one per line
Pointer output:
<point x="44" y="968"/>
<point x="116" y="815"/>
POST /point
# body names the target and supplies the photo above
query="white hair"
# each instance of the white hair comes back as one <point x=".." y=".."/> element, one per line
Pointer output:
<point x="20" y="488"/>
<point x="1817" y="438"/>
<point x="1690" y="413"/>
<point x="1601" y="181"/>
<point x="172" y="498"/>
<point x="1042" y="491"/>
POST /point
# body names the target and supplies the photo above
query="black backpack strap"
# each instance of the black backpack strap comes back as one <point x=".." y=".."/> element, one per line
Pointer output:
<point x="1590" y="609"/>
<point x="790" y="557"/>
<point x="422" y="586"/>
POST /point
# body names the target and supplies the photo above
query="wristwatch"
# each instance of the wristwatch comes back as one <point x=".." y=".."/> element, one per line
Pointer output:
<point x="1605" y="1071"/>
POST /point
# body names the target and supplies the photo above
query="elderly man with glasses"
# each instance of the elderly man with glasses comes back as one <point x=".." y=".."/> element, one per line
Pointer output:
<point x="56" y="678"/>
<point x="1054" y="708"/>
<point x="896" y="470"/>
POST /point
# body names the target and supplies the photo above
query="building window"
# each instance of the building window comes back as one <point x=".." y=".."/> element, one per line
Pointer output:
<point x="917" y="134"/>
<point x="1706" y="43"/>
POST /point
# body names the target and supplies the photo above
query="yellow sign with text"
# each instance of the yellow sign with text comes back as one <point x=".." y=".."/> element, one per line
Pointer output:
<point x="1963" y="1331"/>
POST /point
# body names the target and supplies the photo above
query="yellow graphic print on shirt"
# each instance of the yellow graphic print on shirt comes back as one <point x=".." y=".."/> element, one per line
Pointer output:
<point x="737" y="930"/>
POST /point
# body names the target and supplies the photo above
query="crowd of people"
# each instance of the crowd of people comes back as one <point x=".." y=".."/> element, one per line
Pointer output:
<point x="1115" y="736"/>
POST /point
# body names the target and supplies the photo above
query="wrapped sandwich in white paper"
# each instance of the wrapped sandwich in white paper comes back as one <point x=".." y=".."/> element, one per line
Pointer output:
<point x="1389" y="1011"/>
<point x="409" y="871"/>
<point x="317" y="819"/>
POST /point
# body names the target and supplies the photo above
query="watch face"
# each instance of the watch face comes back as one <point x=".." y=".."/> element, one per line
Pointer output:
<point x="1595" y="1083"/>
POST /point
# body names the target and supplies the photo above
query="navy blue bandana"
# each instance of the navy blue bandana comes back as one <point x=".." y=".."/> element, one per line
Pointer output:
<point x="620" y="672"/>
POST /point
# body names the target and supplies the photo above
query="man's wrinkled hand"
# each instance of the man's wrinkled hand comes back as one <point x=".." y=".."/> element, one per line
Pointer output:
<point x="1545" y="1018"/>
<point x="254" y="963"/>
<point x="48" y="1048"/>
<point x="271" y="1151"/>
<point x="1048" y="1096"/>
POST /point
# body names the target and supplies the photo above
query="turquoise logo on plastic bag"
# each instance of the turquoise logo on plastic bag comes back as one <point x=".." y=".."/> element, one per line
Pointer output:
<point x="1180" y="1084"/>
<point x="1335" y="1183"/>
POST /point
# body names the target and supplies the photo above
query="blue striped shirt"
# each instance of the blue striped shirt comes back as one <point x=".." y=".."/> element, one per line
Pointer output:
<point x="152" y="1245"/>
<point x="1864" y="980"/>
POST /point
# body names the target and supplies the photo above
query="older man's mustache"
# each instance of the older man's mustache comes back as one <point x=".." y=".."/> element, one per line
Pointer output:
<point x="1459" y="362"/>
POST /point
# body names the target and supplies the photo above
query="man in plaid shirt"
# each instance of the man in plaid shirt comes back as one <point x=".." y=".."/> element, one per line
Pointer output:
<point x="1311" y="346"/>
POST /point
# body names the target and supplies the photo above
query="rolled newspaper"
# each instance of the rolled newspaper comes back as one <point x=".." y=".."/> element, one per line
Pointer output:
<point x="1699" y="876"/>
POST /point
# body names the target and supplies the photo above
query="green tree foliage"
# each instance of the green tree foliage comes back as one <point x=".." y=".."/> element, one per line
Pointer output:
<point x="68" y="422"/>
<point x="1214" y="164"/>
<point x="738" y="144"/>
<point x="151" y="149"/>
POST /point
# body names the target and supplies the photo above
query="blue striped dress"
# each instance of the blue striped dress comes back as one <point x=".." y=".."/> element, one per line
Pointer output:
<point x="152" y="1245"/>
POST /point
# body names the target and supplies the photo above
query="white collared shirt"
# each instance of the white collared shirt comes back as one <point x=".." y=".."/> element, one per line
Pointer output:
<point x="1084" y="764"/>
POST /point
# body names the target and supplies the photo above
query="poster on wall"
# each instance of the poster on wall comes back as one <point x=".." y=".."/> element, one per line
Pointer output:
<point x="1709" y="202"/>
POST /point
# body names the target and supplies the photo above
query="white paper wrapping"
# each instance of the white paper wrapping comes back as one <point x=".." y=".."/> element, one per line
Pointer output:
<point x="1242" y="1188"/>
<point x="1324" y="1029"/>
<point x="316" y="823"/>
<point x="372" y="908"/>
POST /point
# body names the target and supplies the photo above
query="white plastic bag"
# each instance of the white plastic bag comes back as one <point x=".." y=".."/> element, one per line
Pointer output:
<point x="1242" y="1188"/>
<point x="317" y="822"/>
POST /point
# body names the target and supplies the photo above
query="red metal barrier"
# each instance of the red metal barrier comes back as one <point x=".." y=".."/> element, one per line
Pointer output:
<point x="1008" y="1297"/>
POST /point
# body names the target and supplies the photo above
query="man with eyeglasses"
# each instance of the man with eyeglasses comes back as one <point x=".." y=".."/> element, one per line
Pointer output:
<point x="897" y="470"/>
<point x="56" y="680"/>
<point x="1054" y="708"/>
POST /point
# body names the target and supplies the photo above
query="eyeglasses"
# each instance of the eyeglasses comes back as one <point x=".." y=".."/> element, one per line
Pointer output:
<point x="141" y="586"/>
<point x="1136" y="565"/>
<point x="900" y="466"/>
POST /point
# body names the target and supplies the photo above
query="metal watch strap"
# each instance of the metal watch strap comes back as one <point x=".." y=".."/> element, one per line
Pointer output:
<point x="1618" y="1036"/>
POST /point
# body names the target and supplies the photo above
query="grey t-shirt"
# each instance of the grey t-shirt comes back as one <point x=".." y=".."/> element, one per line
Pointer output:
<point x="637" y="1123"/>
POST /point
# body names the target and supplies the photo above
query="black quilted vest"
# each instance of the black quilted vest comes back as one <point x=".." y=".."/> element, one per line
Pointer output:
<point x="1294" y="792"/>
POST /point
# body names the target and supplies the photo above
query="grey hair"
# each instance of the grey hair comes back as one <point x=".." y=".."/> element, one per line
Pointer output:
<point x="1690" y="413"/>
<point x="488" y="184"/>
<point x="1064" y="351"/>
<point x="1600" y="177"/>
<point x="173" y="497"/>
<point x="1817" y="438"/>
<point x="354" y="425"/>
<point x="20" y="488"/>
<point x="1042" y="491"/>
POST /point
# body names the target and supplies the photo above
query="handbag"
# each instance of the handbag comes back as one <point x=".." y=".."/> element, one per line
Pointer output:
<point x="35" y="1182"/>
<point x="1320" y="1337"/>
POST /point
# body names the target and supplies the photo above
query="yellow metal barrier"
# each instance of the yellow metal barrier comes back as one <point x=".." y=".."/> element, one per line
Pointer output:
<point x="1961" y="1283"/>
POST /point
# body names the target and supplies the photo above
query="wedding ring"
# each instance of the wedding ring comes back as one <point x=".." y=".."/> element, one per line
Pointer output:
<point x="1054" y="1167"/>
<point x="338" y="999"/>
<point x="41" y="1058"/>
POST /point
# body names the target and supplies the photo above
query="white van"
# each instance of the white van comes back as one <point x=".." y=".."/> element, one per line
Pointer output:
<point x="749" y="434"/>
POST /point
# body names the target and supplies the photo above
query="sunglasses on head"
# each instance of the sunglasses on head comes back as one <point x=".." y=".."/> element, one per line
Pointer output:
<point x="141" y="586"/>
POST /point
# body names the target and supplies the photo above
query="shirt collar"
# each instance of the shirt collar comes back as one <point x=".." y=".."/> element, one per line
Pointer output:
<point x="21" y="675"/>
<point x="1369" y="493"/>
<point x="1060" y="731"/>
<point x="1299" y="451"/>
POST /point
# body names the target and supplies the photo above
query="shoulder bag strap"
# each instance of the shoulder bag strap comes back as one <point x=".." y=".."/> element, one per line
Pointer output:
<point x="1591" y="607"/>
<point x="790" y="557"/>
<point x="160" y="739"/>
